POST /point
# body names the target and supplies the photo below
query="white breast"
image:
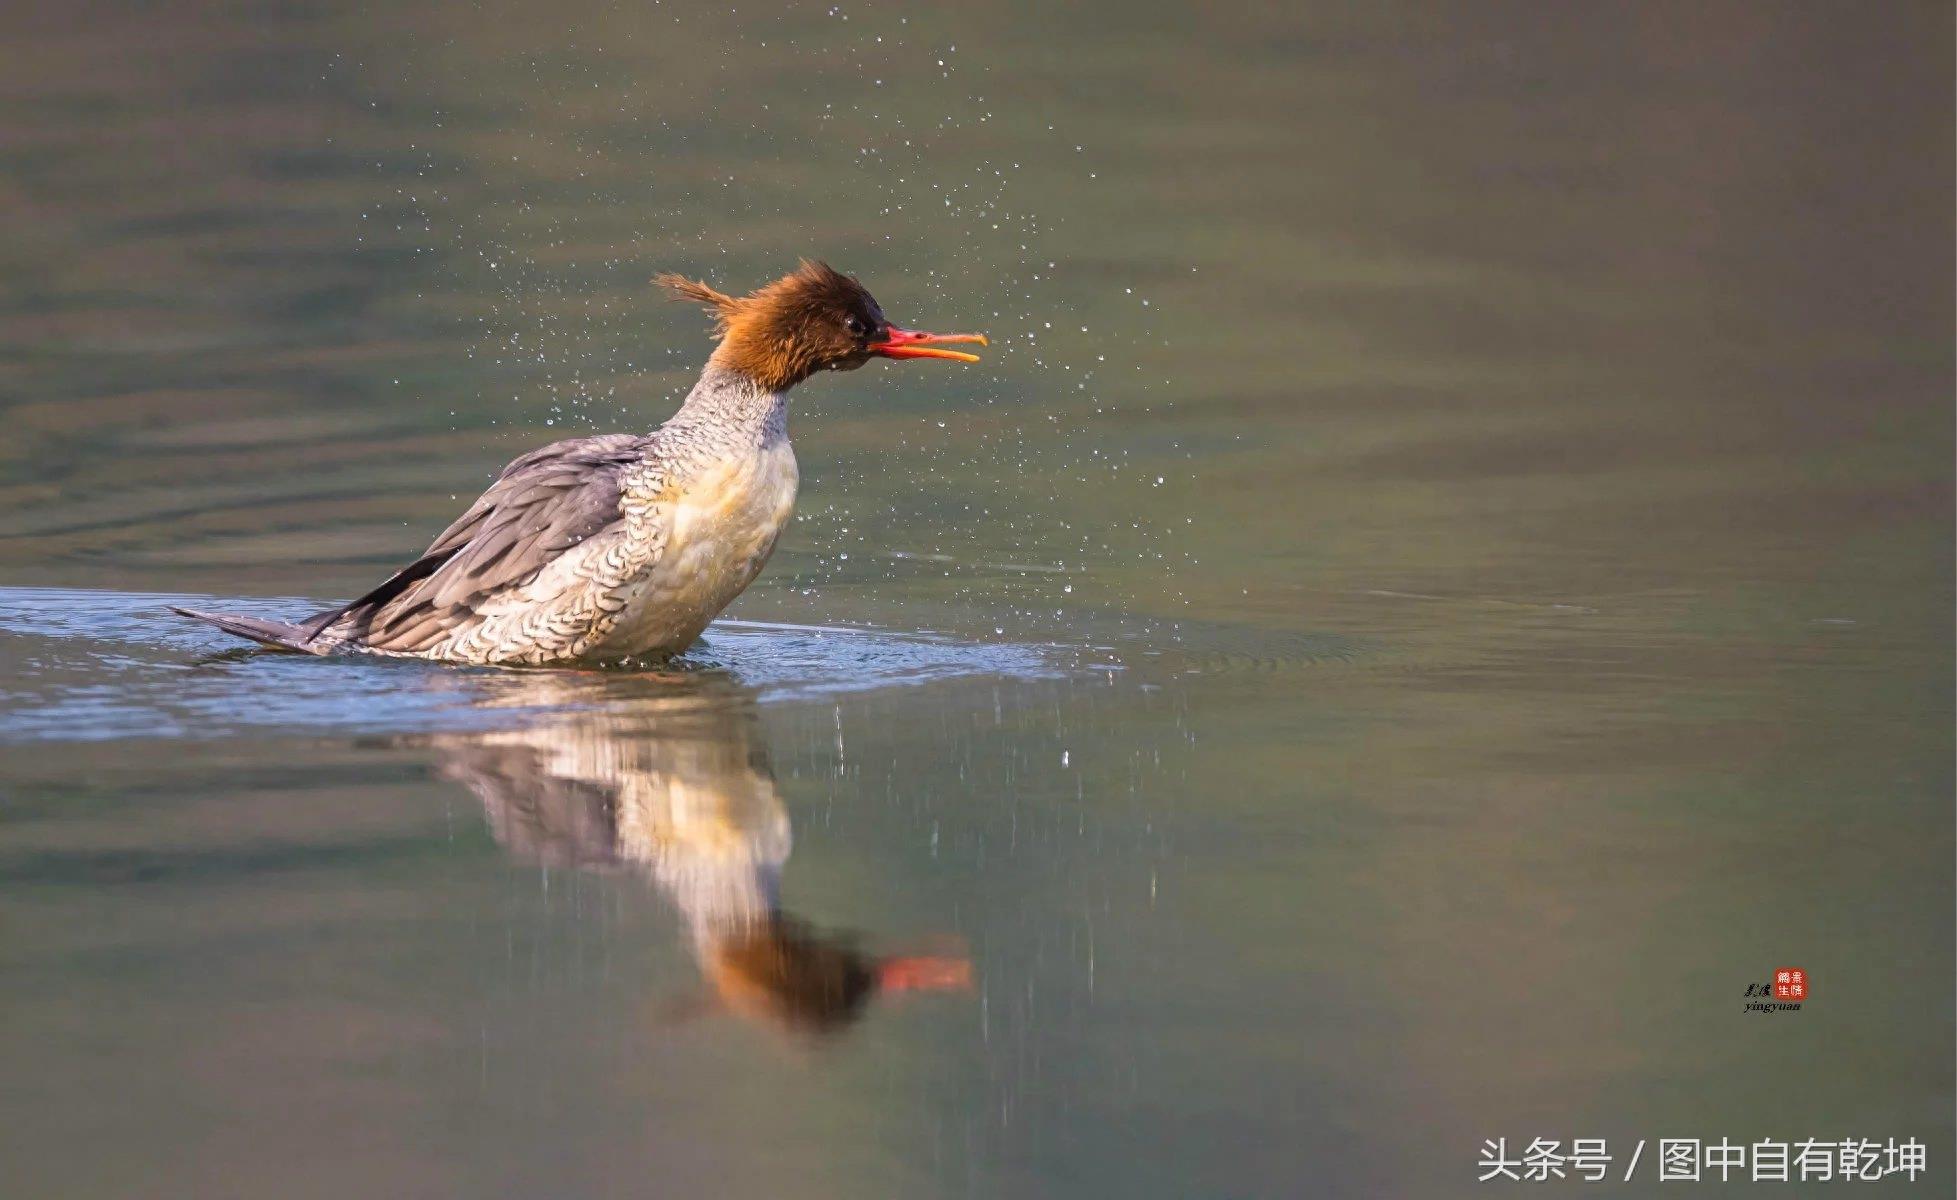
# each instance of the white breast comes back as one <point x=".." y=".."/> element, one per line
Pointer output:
<point x="725" y="523"/>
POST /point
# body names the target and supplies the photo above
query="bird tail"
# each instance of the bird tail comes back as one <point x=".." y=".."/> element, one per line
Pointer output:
<point x="279" y="635"/>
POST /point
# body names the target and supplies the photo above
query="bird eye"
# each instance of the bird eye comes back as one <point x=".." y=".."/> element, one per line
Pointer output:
<point x="855" y="326"/>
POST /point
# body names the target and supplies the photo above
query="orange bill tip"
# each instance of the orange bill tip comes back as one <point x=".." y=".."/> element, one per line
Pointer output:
<point x="924" y="973"/>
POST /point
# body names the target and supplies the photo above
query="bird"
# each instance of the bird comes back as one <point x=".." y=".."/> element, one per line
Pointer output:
<point x="665" y="777"/>
<point x="622" y="547"/>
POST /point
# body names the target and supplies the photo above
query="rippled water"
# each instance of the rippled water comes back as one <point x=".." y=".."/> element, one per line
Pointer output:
<point x="84" y="666"/>
<point x="1442" y="580"/>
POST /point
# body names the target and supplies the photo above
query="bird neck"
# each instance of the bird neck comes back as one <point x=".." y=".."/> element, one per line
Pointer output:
<point x="727" y="405"/>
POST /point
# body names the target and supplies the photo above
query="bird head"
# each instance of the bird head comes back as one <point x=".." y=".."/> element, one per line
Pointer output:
<point x="813" y="319"/>
<point x="783" y="971"/>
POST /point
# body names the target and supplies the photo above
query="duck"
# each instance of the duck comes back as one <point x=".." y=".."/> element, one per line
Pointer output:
<point x="665" y="777"/>
<point x="622" y="547"/>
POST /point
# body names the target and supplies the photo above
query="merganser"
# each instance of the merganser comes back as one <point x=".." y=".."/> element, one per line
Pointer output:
<point x="624" y="546"/>
<point x="672" y="784"/>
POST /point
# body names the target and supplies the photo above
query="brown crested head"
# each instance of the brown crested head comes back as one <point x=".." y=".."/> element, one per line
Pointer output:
<point x="814" y="319"/>
<point x="783" y="970"/>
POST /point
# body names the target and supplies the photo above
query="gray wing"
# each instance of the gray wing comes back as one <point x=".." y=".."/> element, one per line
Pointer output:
<point x="534" y="813"/>
<point x="542" y="505"/>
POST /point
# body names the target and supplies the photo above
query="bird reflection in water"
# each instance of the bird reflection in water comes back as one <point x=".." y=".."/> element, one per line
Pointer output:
<point x="665" y="775"/>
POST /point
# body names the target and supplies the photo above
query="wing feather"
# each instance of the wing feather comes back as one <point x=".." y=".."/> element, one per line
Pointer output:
<point x="542" y="505"/>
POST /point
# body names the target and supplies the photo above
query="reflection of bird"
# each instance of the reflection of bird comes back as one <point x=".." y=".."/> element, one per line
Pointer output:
<point x="666" y="776"/>
<point x="622" y="545"/>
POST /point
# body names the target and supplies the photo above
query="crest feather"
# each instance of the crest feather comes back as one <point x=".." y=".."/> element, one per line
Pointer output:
<point x="724" y="306"/>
